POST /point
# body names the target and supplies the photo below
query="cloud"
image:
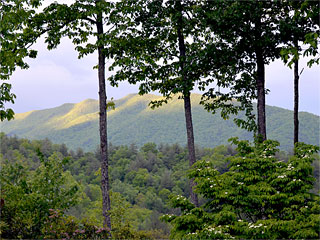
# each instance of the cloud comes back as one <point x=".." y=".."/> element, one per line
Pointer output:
<point x="58" y="76"/>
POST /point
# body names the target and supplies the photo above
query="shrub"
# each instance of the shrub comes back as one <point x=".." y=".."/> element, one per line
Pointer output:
<point x="258" y="198"/>
<point x="27" y="196"/>
<point x="59" y="226"/>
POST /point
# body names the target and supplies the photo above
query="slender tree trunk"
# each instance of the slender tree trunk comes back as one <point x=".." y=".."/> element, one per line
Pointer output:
<point x="191" y="149"/>
<point x="103" y="130"/>
<point x="187" y="103"/>
<point x="261" y="106"/>
<point x="260" y="84"/>
<point x="296" y="99"/>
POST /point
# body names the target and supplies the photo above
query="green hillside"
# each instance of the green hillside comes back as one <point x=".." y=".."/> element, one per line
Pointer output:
<point x="133" y="121"/>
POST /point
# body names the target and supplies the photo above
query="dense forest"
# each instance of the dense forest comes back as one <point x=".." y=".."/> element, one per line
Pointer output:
<point x="144" y="177"/>
<point x="142" y="180"/>
<point x="221" y="48"/>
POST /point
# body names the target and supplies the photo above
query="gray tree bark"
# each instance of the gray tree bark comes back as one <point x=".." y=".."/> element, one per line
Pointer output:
<point x="296" y="100"/>
<point x="261" y="106"/>
<point x="187" y="103"/>
<point x="105" y="188"/>
<point x="260" y="84"/>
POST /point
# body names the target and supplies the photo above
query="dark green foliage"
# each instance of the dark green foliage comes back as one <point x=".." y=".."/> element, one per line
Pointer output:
<point x="6" y="96"/>
<point x="259" y="197"/>
<point x="296" y="28"/>
<point x="15" y="44"/>
<point x="250" y="31"/>
<point x="302" y="26"/>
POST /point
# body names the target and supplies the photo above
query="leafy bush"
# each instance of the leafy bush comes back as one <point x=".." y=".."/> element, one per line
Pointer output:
<point x="123" y="221"/>
<point x="59" y="226"/>
<point x="259" y="197"/>
<point x="27" y="196"/>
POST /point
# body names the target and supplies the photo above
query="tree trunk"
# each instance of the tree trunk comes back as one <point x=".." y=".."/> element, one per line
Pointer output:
<point x="191" y="149"/>
<point x="296" y="99"/>
<point x="261" y="106"/>
<point x="103" y="129"/>
<point x="260" y="84"/>
<point x="187" y="102"/>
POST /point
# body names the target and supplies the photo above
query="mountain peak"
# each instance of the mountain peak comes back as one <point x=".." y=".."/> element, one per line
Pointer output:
<point x="133" y="121"/>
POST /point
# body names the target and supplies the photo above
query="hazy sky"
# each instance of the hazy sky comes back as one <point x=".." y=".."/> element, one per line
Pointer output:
<point x="58" y="76"/>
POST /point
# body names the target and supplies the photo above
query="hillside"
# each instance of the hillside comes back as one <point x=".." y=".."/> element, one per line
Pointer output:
<point x="133" y="121"/>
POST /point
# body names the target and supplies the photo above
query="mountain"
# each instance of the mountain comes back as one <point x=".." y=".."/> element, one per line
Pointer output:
<point x="133" y="121"/>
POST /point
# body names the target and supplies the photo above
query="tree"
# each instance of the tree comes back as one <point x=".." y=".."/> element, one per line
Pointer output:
<point x="259" y="197"/>
<point x="15" y="45"/>
<point x="27" y="196"/>
<point x="251" y="30"/>
<point x="300" y="22"/>
<point x="161" y="49"/>
<point x="81" y="21"/>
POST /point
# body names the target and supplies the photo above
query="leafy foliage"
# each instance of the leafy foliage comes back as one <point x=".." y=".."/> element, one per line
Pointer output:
<point x="259" y="197"/>
<point x="28" y="196"/>
<point x="15" y="44"/>
<point x="77" y="21"/>
<point x="141" y="182"/>
<point x="59" y="226"/>
<point x="300" y="26"/>
<point x="144" y="178"/>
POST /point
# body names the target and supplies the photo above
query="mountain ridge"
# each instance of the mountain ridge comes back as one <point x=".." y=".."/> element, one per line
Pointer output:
<point x="76" y="124"/>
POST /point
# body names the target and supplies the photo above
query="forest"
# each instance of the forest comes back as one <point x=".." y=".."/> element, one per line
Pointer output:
<point x="144" y="177"/>
<point x="38" y="175"/>
<point x="249" y="190"/>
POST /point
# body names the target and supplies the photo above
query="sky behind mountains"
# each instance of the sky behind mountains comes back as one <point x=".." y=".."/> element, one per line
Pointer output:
<point x="58" y="76"/>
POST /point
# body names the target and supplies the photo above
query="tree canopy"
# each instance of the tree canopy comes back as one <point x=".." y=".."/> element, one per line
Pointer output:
<point x="15" y="46"/>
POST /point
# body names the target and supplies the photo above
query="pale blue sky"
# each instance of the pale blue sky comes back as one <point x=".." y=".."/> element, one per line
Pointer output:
<point x="58" y="76"/>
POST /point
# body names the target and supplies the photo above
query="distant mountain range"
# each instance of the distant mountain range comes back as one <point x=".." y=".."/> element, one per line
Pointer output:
<point x="133" y="121"/>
